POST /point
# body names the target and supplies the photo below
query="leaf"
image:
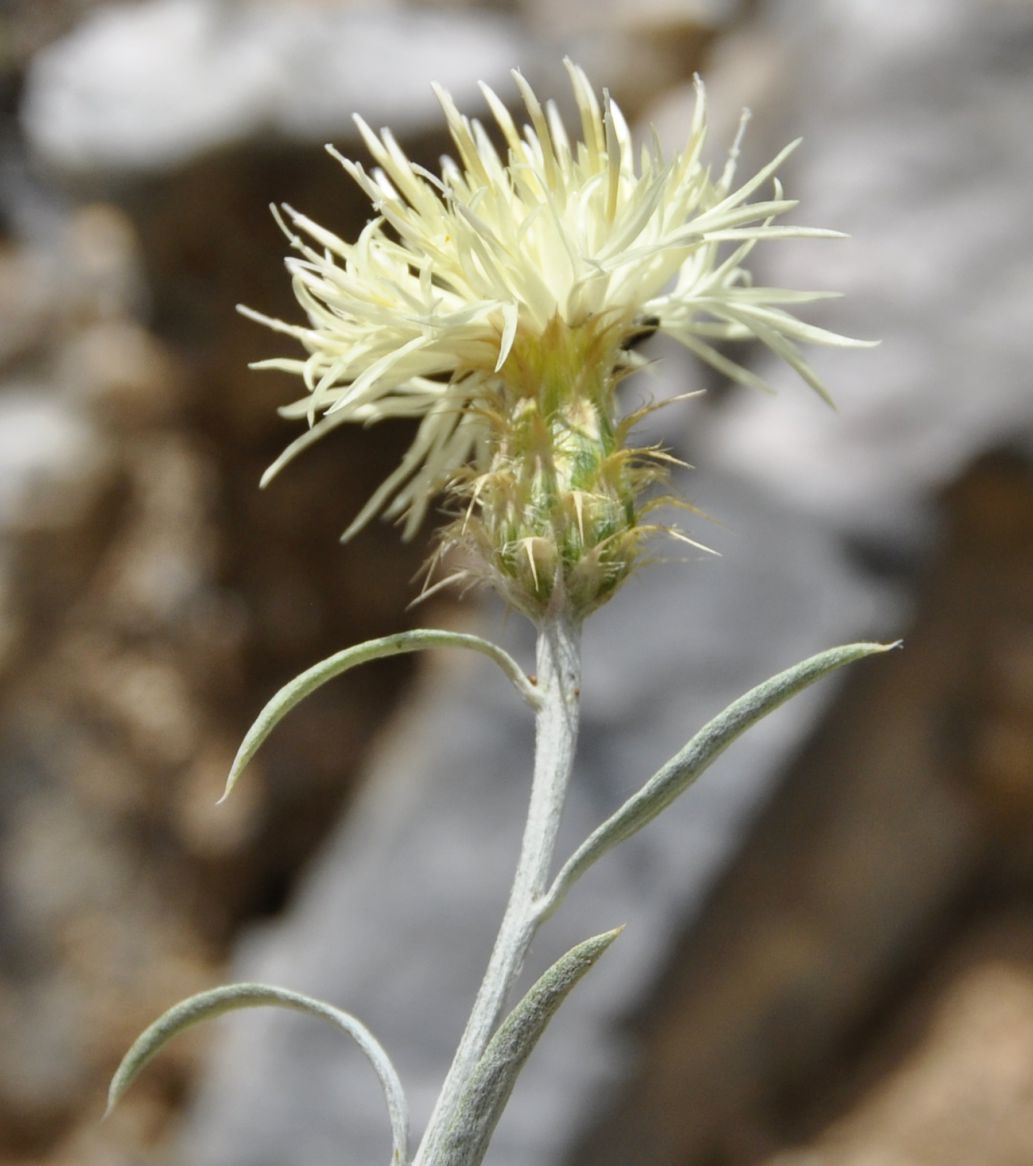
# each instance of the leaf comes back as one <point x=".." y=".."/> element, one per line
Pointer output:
<point x="682" y="770"/>
<point x="480" y="1107"/>
<point x="295" y="691"/>
<point x="207" y="1005"/>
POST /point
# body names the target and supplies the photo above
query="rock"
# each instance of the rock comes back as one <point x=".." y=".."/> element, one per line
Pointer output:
<point x="950" y="1082"/>
<point x="53" y="465"/>
<point x="934" y="268"/>
<point x="640" y="50"/>
<point x="135" y="89"/>
<point x="94" y="713"/>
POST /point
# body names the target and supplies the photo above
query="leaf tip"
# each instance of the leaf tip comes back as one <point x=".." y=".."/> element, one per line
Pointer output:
<point x="240" y="763"/>
<point x="876" y="648"/>
<point x="120" y="1082"/>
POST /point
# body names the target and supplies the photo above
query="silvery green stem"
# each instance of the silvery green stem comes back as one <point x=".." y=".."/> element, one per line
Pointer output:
<point x="559" y="678"/>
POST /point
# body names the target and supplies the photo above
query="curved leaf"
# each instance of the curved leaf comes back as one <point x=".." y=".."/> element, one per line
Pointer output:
<point x="215" y="1002"/>
<point x="479" y="1109"/>
<point x="315" y="677"/>
<point x="709" y="743"/>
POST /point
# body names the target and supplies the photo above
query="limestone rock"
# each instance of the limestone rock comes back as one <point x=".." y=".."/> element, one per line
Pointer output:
<point x="137" y="88"/>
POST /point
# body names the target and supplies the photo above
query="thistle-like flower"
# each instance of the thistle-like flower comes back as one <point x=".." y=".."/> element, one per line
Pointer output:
<point x="497" y="305"/>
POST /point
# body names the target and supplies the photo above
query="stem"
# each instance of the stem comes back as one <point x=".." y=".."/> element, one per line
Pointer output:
<point x="559" y="677"/>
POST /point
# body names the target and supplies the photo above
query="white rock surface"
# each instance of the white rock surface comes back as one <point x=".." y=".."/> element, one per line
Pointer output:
<point x="48" y="455"/>
<point x="135" y="88"/>
<point x="915" y="144"/>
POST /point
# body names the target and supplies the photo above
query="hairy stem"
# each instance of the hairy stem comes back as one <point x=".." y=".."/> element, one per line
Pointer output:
<point x="559" y="678"/>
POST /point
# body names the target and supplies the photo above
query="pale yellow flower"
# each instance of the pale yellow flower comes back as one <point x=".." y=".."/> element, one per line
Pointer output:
<point x="419" y="315"/>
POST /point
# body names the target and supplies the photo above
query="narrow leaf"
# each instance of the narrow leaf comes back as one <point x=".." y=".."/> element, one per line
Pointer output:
<point x="207" y="1005"/>
<point x="466" y="1140"/>
<point x="312" y="678"/>
<point x="709" y="743"/>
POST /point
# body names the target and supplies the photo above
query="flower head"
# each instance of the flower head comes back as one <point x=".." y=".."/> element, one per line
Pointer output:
<point x="496" y="304"/>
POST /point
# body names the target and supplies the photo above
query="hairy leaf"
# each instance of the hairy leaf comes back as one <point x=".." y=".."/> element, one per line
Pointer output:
<point x="215" y="1002"/>
<point x="709" y="743"/>
<point x="466" y="1141"/>
<point x="312" y="678"/>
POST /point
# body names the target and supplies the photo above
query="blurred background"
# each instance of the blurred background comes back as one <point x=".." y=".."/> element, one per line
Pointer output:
<point x="830" y="950"/>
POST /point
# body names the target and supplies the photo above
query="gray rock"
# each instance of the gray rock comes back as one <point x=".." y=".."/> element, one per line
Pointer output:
<point x="136" y="88"/>
<point x="915" y="145"/>
<point x="52" y="462"/>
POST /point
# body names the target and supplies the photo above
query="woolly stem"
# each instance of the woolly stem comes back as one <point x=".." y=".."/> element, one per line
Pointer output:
<point x="559" y="678"/>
